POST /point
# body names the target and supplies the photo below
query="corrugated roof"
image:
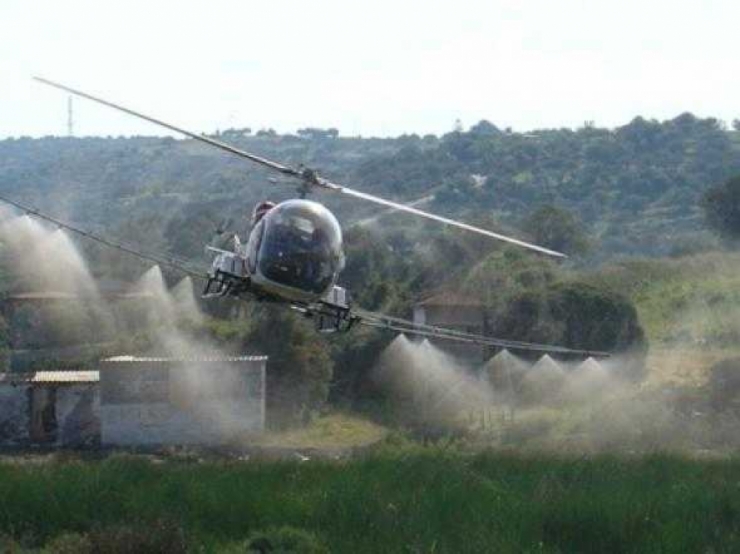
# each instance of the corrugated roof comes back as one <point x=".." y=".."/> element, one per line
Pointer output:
<point x="66" y="377"/>
<point x="51" y="377"/>
<point x="207" y="359"/>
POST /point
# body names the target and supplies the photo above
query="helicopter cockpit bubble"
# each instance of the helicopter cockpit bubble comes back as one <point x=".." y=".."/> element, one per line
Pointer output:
<point x="301" y="247"/>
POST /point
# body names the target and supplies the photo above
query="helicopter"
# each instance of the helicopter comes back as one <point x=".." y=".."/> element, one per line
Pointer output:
<point x="293" y="253"/>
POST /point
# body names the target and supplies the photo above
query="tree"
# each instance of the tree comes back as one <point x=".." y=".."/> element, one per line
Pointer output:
<point x="721" y="206"/>
<point x="315" y="133"/>
<point x="503" y="274"/>
<point x="578" y="315"/>
<point x="299" y="367"/>
<point x="355" y="383"/>
<point x="557" y="229"/>
<point x="485" y="128"/>
<point x="236" y="133"/>
<point x="373" y="273"/>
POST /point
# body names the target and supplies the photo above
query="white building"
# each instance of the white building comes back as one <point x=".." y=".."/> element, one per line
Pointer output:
<point x="134" y="401"/>
<point x="163" y="401"/>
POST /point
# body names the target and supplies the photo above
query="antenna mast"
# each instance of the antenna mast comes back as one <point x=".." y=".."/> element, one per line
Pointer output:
<point x="70" y="118"/>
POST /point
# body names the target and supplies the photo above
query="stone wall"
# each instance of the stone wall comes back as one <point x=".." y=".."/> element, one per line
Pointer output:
<point x="15" y="414"/>
<point x="49" y="414"/>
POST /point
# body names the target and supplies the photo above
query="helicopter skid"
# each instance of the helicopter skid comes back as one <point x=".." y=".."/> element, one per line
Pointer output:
<point x="333" y="312"/>
<point x="329" y="318"/>
<point x="221" y="284"/>
<point x="228" y="276"/>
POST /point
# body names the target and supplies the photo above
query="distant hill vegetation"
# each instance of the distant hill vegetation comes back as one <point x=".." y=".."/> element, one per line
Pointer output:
<point x="635" y="189"/>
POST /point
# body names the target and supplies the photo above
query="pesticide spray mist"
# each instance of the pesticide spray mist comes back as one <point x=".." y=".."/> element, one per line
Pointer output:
<point x="428" y="386"/>
<point x="173" y="316"/>
<point x="147" y="319"/>
<point x="547" y="404"/>
<point x="47" y="263"/>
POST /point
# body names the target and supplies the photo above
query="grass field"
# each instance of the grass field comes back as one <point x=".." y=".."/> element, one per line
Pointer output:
<point x="333" y="431"/>
<point x="405" y="500"/>
<point x="687" y="302"/>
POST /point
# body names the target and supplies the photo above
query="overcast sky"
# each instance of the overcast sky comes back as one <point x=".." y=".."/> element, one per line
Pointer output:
<point x="380" y="67"/>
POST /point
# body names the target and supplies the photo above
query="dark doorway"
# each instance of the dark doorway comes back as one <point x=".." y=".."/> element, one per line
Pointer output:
<point x="43" y="415"/>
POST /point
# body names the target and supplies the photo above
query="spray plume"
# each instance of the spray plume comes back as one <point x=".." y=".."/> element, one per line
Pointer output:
<point x="586" y="405"/>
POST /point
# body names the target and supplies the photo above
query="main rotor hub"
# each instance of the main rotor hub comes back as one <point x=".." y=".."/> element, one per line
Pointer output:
<point x="309" y="179"/>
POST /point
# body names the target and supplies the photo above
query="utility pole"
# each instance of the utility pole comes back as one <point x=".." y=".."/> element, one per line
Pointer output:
<point x="70" y="118"/>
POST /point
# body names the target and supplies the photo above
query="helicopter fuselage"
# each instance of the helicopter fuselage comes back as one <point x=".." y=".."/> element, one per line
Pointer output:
<point x="293" y="254"/>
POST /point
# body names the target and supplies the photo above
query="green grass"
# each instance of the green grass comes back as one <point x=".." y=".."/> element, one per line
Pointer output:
<point x="408" y="501"/>
<point x="338" y="430"/>
<point x="695" y="310"/>
<point x="689" y="300"/>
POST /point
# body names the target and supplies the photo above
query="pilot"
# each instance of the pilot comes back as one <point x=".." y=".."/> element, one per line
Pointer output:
<point x="317" y="259"/>
<point x="260" y="209"/>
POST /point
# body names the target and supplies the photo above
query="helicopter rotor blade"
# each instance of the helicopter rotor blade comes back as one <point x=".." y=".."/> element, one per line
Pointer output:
<point x="308" y="177"/>
<point x="202" y="138"/>
<point x="445" y="220"/>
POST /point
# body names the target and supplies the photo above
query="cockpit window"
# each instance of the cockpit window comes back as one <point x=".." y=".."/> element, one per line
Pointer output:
<point x="253" y="245"/>
<point x="301" y="246"/>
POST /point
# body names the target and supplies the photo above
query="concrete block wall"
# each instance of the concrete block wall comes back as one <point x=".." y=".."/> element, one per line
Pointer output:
<point x="78" y="415"/>
<point x="170" y="403"/>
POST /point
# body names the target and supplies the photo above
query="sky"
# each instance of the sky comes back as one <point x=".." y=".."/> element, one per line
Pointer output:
<point x="379" y="68"/>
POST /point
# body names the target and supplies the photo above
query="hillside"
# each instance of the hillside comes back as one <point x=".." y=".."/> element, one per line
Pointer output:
<point x="690" y="301"/>
<point x="634" y="188"/>
<point x="689" y="308"/>
<point x="106" y="182"/>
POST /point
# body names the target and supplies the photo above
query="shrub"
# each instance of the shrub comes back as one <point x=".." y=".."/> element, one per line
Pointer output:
<point x="577" y="315"/>
<point x="279" y="540"/>
<point x="69" y="543"/>
<point x="158" y="537"/>
<point x="722" y="209"/>
<point x="724" y="383"/>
